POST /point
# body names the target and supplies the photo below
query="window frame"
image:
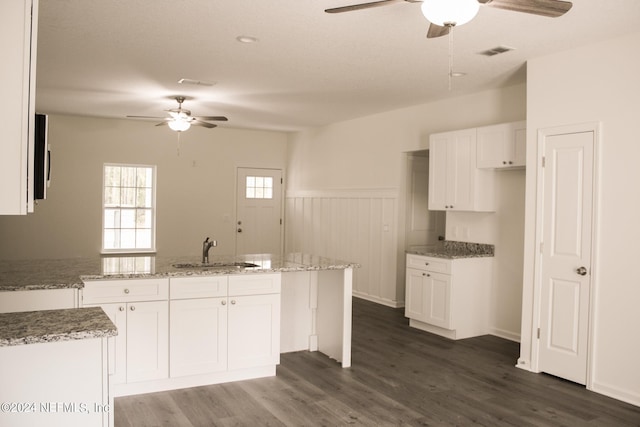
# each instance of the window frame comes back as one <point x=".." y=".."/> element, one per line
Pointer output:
<point x="152" y="248"/>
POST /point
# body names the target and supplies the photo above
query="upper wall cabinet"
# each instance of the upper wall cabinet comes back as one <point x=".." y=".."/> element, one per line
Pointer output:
<point x="18" y="34"/>
<point x="502" y="146"/>
<point x="455" y="182"/>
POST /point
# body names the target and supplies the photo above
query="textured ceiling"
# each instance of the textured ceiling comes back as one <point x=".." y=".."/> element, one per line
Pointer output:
<point x="309" y="68"/>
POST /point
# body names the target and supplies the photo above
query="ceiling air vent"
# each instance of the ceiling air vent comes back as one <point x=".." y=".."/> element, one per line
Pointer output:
<point x="496" y="51"/>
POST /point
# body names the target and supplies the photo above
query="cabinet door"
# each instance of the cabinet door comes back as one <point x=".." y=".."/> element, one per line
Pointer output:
<point x="254" y="331"/>
<point x="452" y="164"/>
<point x="415" y="298"/>
<point x="198" y="330"/>
<point x="147" y="341"/>
<point x="438" y="300"/>
<point x="438" y="171"/>
<point x="18" y="29"/>
<point x="501" y="146"/>
<point x="117" y="345"/>
<point x="461" y="173"/>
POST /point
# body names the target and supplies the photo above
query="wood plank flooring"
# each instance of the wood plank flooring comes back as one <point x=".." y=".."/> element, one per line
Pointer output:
<point x="400" y="377"/>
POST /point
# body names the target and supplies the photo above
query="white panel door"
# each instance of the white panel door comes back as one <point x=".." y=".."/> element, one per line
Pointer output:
<point x="259" y="211"/>
<point x="566" y="254"/>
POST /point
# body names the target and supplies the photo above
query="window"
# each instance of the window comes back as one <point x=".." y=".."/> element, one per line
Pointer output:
<point x="128" y="208"/>
<point x="259" y="187"/>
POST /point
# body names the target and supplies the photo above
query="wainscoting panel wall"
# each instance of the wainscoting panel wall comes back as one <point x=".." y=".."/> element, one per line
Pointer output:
<point x="352" y="225"/>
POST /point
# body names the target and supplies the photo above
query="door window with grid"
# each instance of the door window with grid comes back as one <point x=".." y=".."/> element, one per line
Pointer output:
<point x="128" y="208"/>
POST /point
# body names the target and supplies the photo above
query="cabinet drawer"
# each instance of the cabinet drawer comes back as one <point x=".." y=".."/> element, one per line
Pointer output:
<point x="436" y="265"/>
<point x="105" y="291"/>
<point x="198" y="287"/>
<point x="254" y="284"/>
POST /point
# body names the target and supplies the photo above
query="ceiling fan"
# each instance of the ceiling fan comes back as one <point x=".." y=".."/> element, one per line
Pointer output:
<point x="180" y="119"/>
<point x="445" y="14"/>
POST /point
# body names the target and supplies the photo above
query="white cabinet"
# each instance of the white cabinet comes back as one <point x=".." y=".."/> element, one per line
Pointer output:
<point x="449" y="297"/>
<point x="502" y="146"/>
<point x="224" y="323"/>
<point x="428" y="297"/>
<point x="139" y="309"/>
<point x="254" y="331"/>
<point x="18" y="35"/>
<point x="455" y="183"/>
<point x="198" y="325"/>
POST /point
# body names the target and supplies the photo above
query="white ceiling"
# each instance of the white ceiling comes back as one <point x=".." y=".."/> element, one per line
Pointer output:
<point x="124" y="57"/>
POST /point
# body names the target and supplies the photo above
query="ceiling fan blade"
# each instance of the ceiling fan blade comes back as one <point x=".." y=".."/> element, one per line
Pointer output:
<point x="204" y="124"/>
<point x="437" y="31"/>
<point x="212" y="118"/>
<point x="162" y="123"/>
<point x="146" y="117"/>
<point x="549" y="8"/>
<point x="362" y="6"/>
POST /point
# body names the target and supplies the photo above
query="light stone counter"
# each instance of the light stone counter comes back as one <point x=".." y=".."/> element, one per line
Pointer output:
<point x="452" y="250"/>
<point x="54" y="325"/>
<point x="24" y="275"/>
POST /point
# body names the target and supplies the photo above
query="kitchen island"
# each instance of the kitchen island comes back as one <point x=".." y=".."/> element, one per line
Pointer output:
<point x="53" y="368"/>
<point x="313" y="304"/>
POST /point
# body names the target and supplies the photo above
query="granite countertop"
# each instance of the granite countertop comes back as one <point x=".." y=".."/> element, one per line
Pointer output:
<point x="69" y="273"/>
<point x="451" y="250"/>
<point x="31" y="327"/>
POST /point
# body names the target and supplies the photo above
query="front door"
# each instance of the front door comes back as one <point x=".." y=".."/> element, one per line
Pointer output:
<point x="566" y="251"/>
<point x="258" y="211"/>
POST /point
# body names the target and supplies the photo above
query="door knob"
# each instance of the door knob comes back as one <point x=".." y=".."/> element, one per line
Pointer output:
<point x="582" y="271"/>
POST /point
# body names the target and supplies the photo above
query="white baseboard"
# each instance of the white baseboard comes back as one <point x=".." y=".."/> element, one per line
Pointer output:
<point x="507" y="335"/>
<point x="383" y="301"/>
<point x="631" y="397"/>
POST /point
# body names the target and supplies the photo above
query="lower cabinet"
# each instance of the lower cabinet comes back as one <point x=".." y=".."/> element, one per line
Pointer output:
<point x="449" y="297"/>
<point x="198" y="330"/>
<point x="140" y="350"/>
<point x="189" y="331"/>
<point x="224" y="323"/>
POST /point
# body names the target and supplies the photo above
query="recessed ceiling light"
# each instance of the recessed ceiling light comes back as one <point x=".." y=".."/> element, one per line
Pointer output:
<point x="246" y="39"/>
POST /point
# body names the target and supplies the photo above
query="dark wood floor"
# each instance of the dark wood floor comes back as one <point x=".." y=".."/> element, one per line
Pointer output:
<point x="400" y="376"/>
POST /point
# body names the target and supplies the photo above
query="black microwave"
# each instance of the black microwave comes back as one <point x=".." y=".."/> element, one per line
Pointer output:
<point x="41" y="157"/>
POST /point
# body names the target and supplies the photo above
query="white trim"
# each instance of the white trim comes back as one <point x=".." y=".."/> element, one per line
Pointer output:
<point x="378" y="300"/>
<point x="507" y="335"/>
<point x="346" y="193"/>
<point x="616" y="393"/>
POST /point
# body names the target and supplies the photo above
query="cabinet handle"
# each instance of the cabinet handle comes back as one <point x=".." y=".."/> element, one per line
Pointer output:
<point x="428" y="275"/>
<point x="233" y="301"/>
<point x="223" y="302"/>
<point x="426" y="263"/>
<point x="126" y="291"/>
<point x="510" y="162"/>
<point x="504" y="163"/>
<point x="121" y="308"/>
<point x="133" y="308"/>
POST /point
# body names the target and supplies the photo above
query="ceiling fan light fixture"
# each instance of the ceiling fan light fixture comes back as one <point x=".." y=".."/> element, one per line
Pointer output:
<point x="450" y="12"/>
<point x="179" y="125"/>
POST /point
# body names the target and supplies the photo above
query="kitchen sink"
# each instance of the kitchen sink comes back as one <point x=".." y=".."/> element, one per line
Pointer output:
<point x="214" y="265"/>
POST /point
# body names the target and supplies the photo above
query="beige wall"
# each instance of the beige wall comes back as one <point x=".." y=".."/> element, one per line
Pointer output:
<point x="195" y="190"/>
<point x="596" y="83"/>
<point x="362" y="163"/>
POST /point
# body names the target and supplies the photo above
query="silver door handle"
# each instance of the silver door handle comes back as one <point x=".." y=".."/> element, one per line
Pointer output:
<point x="582" y="271"/>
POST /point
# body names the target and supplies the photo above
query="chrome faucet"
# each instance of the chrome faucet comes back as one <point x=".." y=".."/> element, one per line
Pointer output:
<point x="206" y="245"/>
